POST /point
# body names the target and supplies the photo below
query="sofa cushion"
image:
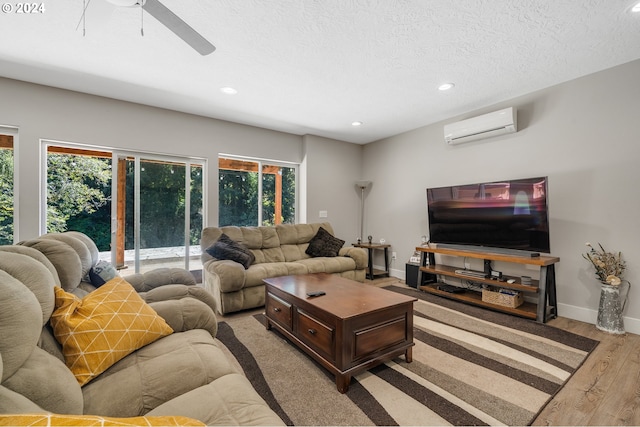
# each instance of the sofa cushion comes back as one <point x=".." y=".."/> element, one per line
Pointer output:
<point x="63" y="257"/>
<point x="237" y="404"/>
<point x="228" y="249"/>
<point x="324" y="244"/>
<point x="258" y="272"/>
<point x="331" y="265"/>
<point x="103" y="327"/>
<point x="93" y="420"/>
<point x="156" y="374"/>
<point x="295" y="234"/>
<point x="34" y="276"/>
<point x="79" y="246"/>
<point x="47" y="382"/>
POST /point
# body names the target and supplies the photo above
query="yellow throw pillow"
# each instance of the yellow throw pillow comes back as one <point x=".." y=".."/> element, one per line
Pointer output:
<point x="103" y="327"/>
<point x="93" y="420"/>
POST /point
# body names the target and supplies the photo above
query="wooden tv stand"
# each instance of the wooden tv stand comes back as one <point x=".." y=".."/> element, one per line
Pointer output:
<point x="544" y="289"/>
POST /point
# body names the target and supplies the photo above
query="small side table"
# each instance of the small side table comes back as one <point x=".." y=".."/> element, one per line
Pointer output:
<point x="370" y="247"/>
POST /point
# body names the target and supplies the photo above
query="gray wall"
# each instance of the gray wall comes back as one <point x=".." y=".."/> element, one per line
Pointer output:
<point x="334" y="167"/>
<point x="584" y="135"/>
<point x="42" y="112"/>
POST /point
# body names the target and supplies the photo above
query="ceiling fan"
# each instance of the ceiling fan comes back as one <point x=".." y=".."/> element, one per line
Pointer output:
<point x="172" y="22"/>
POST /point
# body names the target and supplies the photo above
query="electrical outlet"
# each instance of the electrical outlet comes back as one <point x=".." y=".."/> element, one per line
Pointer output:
<point x="393" y="255"/>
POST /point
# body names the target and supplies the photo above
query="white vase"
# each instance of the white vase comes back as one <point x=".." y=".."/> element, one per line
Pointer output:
<point x="610" y="310"/>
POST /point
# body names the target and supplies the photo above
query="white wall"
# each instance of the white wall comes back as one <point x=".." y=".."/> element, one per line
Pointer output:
<point x="42" y="112"/>
<point x="584" y="135"/>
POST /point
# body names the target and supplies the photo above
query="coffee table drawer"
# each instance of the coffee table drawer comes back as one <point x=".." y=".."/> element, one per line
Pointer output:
<point x="278" y="310"/>
<point x="377" y="338"/>
<point x="316" y="334"/>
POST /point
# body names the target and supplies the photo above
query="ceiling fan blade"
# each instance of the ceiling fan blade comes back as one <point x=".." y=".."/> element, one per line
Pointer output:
<point x="178" y="26"/>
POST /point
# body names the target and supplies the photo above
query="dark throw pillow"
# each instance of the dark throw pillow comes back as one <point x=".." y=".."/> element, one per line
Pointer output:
<point x="101" y="273"/>
<point x="324" y="244"/>
<point x="227" y="248"/>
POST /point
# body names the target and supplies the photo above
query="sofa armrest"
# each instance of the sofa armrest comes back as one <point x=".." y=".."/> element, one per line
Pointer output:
<point x="143" y="282"/>
<point x="226" y="275"/>
<point x="187" y="314"/>
<point x="178" y="292"/>
<point x="359" y="255"/>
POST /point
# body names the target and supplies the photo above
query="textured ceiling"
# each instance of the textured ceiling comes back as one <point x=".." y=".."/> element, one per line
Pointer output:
<point x="315" y="66"/>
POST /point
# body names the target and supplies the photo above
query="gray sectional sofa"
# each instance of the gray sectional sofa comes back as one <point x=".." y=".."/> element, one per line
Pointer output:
<point x="185" y="372"/>
<point x="279" y="250"/>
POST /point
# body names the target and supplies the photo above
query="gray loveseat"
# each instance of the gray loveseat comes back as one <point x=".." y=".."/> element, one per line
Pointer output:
<point x="183" y="373"/>
<point x="279" y="251"/>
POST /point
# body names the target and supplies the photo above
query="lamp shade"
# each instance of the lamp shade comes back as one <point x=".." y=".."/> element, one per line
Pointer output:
<point x="363" y="184"/>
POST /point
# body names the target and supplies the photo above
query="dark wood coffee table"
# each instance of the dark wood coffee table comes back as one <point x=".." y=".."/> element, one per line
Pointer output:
<point x="350" y="329"/>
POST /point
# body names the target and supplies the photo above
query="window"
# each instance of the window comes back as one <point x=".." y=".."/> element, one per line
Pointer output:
<point x="7" y="201"/>
<point x="79" y="193"/>
<point x="143" y="211"/>
<point x="255" y="192"/>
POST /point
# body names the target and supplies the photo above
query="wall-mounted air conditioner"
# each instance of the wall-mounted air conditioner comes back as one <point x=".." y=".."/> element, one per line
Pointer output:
<point x="481" y="127"/>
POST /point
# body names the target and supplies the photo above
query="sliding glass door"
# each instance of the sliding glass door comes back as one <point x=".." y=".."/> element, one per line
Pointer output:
<point x="158" y="213"/>
<point x="143" y="211"/>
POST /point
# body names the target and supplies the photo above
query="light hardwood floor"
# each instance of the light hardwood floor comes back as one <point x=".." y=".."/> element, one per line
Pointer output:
<point x="605" y="390"/>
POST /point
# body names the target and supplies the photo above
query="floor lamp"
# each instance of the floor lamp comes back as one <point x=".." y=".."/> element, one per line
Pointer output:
<point x="362" y="185"/>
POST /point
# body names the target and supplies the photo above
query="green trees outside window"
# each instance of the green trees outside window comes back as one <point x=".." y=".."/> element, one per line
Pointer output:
<point x="243" y="202"/>
<point x="6" y="190"/>
<point x="79" y="197"/>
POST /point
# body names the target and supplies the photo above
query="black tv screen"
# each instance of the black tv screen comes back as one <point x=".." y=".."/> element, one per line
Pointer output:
<point x="510" y="214"/>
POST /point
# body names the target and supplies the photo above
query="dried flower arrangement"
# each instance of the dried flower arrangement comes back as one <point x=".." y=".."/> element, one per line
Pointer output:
<point x="609" y="266"/>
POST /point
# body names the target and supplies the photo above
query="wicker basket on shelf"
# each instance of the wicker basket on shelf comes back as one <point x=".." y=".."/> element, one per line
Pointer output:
<point x="506" y="298"/>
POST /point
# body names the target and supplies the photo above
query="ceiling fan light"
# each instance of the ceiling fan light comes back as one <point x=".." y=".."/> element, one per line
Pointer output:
<point x="228" y="90"/>
<point x="446" y="86"/>
<point x="125" y="3"/>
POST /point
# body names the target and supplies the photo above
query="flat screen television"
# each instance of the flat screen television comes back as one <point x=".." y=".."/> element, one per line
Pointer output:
<point x="512" y="215"/>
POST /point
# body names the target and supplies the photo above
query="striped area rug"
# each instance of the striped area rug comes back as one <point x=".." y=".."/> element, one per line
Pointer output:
<point x="470" y="366"/>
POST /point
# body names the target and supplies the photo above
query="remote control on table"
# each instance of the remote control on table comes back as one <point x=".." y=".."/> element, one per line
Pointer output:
<point x="316" y="293"/>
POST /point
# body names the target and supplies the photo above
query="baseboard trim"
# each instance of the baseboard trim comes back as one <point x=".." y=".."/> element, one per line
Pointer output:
<point x="398" y="274"/>
<point x="588" y="315"/>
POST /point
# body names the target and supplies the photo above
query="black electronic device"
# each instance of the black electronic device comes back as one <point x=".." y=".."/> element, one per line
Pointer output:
<point x="316" y="293"/>
<point x="451" y="289"/>
<point x="511" y="214"/>
<point x="496" y="275"/>
<point x="411" y="276"/>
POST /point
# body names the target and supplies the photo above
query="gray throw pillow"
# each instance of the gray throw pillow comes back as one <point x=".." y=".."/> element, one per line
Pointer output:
<point x="101" y="273"/>
<point x="227" y="248"/>
<point x="324" y="244"/>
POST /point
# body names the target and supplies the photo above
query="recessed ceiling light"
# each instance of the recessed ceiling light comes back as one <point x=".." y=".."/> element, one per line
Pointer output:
<point x="636" y="8"/>
<point x="446" y="86"/>
<point x="356" y="123"/>
<point x="228" y="90"/>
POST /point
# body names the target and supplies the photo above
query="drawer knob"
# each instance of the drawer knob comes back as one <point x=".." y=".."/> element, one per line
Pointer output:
<point x="312" y="331"/>
<point x="277" y="309"/>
